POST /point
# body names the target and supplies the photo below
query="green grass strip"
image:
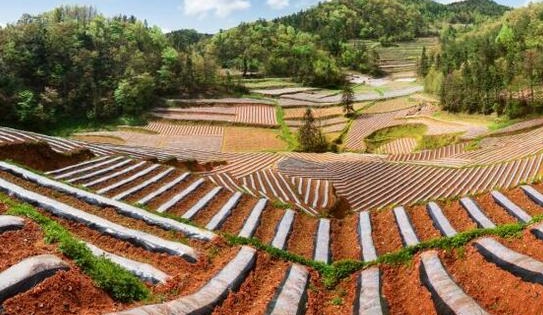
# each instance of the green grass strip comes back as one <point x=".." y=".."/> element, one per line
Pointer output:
<point x="344" y="268"/>
<point x="284" y="131"/>
<point x="118" y="282"/>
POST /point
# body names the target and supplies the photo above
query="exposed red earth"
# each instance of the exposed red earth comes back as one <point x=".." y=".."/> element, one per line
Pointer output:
<point x="364" y="181"/>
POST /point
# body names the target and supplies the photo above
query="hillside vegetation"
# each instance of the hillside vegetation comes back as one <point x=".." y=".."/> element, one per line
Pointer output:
<point x="497" y="67"/>
<point x="313" y="45"/>
<point x="73" y="64"/>
<point x="387" y="20"/>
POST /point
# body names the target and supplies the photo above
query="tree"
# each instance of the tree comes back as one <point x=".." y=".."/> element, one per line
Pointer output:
<point x="310" y="136"/>
<point x="29" y="110"/>
<point x="495" y="67"/>
<point x="347" y="100"/>
<point x="424" y="64"/>
<point x="135" y="94"/>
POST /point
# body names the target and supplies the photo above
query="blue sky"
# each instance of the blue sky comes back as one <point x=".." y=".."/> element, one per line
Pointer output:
<point x="203" y="15"/>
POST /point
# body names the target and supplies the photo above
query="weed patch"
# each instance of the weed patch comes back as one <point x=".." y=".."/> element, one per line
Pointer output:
<point x="431" y="142"/>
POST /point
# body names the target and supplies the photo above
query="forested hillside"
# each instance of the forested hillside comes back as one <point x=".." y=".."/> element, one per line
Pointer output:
<point x="497" y="67"/>
<point x="388" y="20"/>
<point x="279" y="50"/>
<point x="74" y="64"/>
<point x="313" y="45"/>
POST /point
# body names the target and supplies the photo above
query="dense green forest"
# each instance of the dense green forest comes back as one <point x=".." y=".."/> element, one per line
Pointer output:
<point x="313" y="46"/>
<point x="387" y="20"/>
<point x="497" y="67"/>
<point x="73" y="64"/>
<point x="279" y="50"/>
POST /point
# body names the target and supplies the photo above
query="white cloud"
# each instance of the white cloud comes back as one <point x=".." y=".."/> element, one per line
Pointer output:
<point x="278" y="4"/>
<point x="221" y="8"/>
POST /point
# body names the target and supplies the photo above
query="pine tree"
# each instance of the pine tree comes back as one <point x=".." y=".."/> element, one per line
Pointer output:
<point x="347" y="100"/>
<point x="424" y="65"/>
<point x="310" y="136"/>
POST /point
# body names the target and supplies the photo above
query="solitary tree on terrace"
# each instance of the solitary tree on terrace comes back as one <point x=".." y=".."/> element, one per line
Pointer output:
<point x="424" y="63"/>
<point x="347" y="100"/>
<point x="310" y="136"/>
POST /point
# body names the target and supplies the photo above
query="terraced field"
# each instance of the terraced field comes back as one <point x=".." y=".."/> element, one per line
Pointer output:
<point x="318" y="113"/>
<point x="374" y="184"/>
<point x="248" y="114"/>
<point x="184" y="130"/>
<point x="391" y="106"/>
<point x="399" y="146"/>
<point x="367" y="124"/>
<point x="185" y="236"/>
<point x="401" y="60"/>
<point x="244" y="139"/>
<point x="327" y="99"/>
<point x="208" y="142"/>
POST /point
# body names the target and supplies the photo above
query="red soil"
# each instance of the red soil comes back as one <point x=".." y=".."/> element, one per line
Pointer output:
<point x="67" y="292"/>
<point x="345" y="292"/>
<point x="133" y="183"/>
<point x="205" y="215"/>
<point x="266" y="229"/>
<point x="116" y="179"/>
<point x="191" y="280"/>
<point x="258" y="288"/>
<point x="385" y="233"/>
<point x="345" y="241"/>
<point x="166" y="196"/>
<point x="518" y="196"/>
<point x="186" y="277"/>
<point x="458" y="216"/>
<point x="168" y="263"/>
<point x="302" y="238"/>
<point x="528" y="244"/>
<point x="151" y="188"/>
<point x="40" y="156"/>
<point x="106" y="213"/>
<point x="235" y="222"/>
<point x="186" y="203"/>
<point x="315" y="294"/>
<point x="495" y="289"/>
<point x="423" y="223"/>
<point x="404" y="292"/>
<point x="497" y="214"/>
<point x="20" y="244"/>
<point x="538" y="187"/>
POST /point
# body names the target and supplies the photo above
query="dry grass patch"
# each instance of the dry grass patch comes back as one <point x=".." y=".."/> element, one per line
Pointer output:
<point x="245" y="139"/>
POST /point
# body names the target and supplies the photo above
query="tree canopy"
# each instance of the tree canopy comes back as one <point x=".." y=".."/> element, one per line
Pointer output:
<point x="310" y="136"/>
<point x="387" y="20"/>
<point x="496" y="67"/>
<point x="73" y="63"/>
